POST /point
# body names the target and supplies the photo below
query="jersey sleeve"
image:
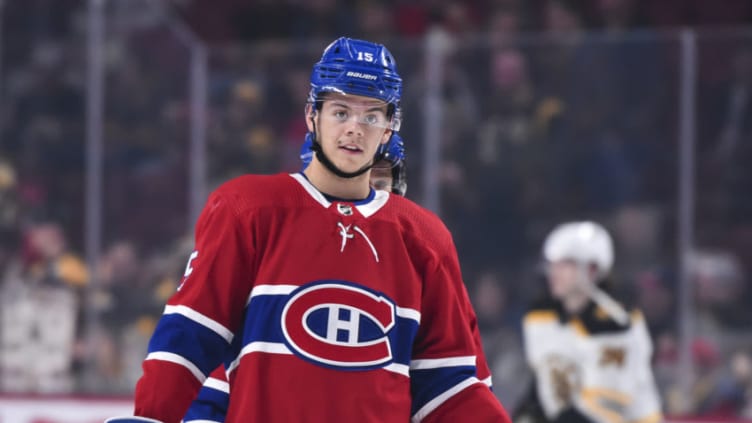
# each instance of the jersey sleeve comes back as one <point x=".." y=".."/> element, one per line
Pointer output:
<point x="213" y="399"/>
<point x="198" y="323"/>
<point x="447" y="356"/>
<point x="645" y="406"/>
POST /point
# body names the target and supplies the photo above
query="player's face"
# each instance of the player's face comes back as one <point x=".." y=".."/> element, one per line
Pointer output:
<point x="563" y="278"/>
<point x="381" y="176"/>
<point x="350" y="128"/>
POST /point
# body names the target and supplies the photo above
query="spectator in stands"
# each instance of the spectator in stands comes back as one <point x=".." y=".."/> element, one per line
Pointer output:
<point x="733" y="392"/>
<point x="40" y="313"/>
<point x="9" y="214"/>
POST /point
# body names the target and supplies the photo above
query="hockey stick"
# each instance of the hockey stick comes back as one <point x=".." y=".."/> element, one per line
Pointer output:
<point x="608" y="304"/>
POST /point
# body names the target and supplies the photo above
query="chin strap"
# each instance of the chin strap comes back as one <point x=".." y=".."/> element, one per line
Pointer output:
<point x="319" y="151"/>
<point x="332" y="167"/>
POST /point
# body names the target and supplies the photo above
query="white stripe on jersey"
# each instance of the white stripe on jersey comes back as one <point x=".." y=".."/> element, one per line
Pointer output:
<point x="434" y="363"/>
<point x="408" y="313"/>
<point x="201" y="320"/>
<point x="443" y="397"/>
<point x="177" y="359"/>
<point x="398" y="368"/>
<point x="216" y="384"/>
<point x="271" y="290"/>
<point x="278" y="348"/>
<point x="267" y="347"/>
<point x="316" y="194"/>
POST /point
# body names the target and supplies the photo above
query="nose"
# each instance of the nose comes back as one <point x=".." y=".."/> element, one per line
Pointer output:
<point x="354" y="126"/>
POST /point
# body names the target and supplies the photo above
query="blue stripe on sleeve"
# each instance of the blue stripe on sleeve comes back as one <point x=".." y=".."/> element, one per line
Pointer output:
<point x="427" y="384"/>
<point x="263" y="319"/>
<point x="401" y="338"/>
<point x="179" y="335"/>
<point x="210" y="405"/>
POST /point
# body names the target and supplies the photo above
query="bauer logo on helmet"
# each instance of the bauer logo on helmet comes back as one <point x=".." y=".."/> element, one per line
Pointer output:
<point x="362" y="76"/>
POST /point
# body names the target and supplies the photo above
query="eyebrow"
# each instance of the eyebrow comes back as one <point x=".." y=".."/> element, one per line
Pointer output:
<point x="372" y="109"/>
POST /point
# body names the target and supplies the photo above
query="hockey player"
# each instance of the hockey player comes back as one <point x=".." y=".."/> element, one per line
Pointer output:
<point x="211" y="404"/>
<point x="335" y="302"/>
<point x="590" y="357"/>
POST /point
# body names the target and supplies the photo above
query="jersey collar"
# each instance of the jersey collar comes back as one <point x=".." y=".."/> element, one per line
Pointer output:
<point x="366" y="207"/>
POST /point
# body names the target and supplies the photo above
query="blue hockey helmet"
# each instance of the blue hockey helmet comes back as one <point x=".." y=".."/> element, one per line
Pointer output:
<point x="395" y="154"/>
<point x="306" y="150"/>
<point x="395" y="150"/>
<point x="350" y="66"/>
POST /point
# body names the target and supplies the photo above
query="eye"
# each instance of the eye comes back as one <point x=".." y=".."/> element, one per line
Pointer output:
<point x="373" y="119"/>
<point x="341" y="115"/>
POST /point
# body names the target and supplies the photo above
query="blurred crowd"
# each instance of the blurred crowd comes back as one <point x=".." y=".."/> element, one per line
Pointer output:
<point x="551" y="110"/>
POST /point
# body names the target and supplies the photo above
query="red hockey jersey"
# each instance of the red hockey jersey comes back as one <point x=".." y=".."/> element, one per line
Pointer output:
<point x="321" y="311"/>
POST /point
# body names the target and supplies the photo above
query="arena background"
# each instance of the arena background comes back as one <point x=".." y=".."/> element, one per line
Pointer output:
<point x="117" y="118"/>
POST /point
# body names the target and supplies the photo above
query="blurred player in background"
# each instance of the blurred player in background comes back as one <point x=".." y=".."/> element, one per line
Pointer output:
<point x="388" y="174"/>
<point x="590" y="357"/>
<point x="335" y="302"/>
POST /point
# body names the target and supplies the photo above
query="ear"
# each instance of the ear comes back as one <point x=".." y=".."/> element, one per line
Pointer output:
<point x="386" y="136"/>
<point x="593" y="272"/>
<point x="310" y="114"/>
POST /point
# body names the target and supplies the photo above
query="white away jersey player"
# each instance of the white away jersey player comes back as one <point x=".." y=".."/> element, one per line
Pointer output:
<point x="591" y="363"/>
<point x="321" y="311"/>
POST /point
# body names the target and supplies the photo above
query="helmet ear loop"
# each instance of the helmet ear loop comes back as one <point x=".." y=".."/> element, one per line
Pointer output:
<point x="383" y="150"/>
<point x="318" y="149"/>
<point x="312" y="116"/>
<point x="310" y="111"/>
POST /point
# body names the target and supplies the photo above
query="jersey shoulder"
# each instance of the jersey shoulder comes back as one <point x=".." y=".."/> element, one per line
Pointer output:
<point x="254" y="184"/>
<point x="543" y="310"/>
<point x="598" y="321"/>
<point x="594" y="320"/>
<point x="418" y="222"/>
<point x="252" y="191"/>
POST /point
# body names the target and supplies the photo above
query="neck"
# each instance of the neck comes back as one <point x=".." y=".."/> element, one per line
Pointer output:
<point x="575" y="302"/>
<point x="331" y="184"/>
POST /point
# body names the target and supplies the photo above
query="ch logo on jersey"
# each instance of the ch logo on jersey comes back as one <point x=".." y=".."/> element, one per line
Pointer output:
<point x="339" y="324"/>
